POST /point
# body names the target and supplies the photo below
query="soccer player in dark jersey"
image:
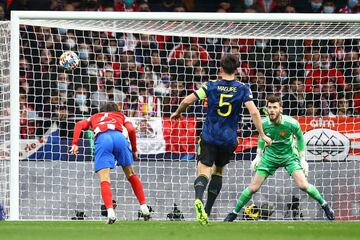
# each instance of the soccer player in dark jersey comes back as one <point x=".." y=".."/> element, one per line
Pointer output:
<point x="218" y="140"/>
<point x="283" y="152"/>
<point x="111" y="129"/>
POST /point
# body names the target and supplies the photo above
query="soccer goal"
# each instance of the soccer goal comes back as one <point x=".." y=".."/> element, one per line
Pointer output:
<point x="147" y="63"/>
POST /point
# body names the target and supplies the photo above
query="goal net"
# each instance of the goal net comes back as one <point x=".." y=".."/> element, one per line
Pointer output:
<point x="147" y="66"/>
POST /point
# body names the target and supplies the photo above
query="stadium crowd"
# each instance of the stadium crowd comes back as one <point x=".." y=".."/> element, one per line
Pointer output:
<point x="148" y="75"/>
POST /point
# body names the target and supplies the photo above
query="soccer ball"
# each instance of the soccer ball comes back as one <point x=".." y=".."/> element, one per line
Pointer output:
<point x="69" y="60"/>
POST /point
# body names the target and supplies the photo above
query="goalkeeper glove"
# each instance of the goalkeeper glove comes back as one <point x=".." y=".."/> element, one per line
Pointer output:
<point x="304" y="163"/>
<point x="257" y="159"/>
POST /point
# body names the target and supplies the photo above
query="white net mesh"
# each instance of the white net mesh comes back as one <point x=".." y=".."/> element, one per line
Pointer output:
<point x="147" y="67"/>
<point x="4" y="118"/>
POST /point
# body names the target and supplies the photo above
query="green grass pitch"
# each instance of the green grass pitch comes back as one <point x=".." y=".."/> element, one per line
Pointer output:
<point x="158" y="230"/>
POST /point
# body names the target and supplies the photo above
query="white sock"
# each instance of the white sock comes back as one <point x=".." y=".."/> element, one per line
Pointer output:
<point x="111" y="213"/>
<point x="144" y="209"/>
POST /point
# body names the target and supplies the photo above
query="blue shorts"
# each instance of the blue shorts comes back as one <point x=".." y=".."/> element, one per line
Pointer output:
<point x="111" y="146"/>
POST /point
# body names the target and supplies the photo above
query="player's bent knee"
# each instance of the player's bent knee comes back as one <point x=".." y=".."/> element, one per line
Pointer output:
<point x="218" y="171"/>
<point x="129" y="171"/>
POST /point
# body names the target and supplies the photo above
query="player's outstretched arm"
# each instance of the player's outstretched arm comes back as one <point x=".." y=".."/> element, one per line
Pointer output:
<point x="259" y="152"/>
<point x="188" y="100"/>
<point x="132" y="136"/>
<point x="79" y="126"/>
<point x="301" y="148"/>
<point x="255" y="115"/>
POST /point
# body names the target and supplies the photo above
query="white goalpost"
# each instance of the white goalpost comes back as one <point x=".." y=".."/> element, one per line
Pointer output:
<point x="147" y="63"/>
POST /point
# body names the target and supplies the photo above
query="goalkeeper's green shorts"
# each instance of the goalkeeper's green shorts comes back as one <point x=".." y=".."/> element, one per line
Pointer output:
<point x="268" y="166"/>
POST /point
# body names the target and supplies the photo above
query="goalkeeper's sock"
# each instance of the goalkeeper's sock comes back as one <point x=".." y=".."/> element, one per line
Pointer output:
<point x="243" y="199"/>
<point x="137" y="188"/>
<point x="315" y="194"/>
<point x="106" y="194"/>
<point x="200" y="185"/>
<point x="213" y="191"/>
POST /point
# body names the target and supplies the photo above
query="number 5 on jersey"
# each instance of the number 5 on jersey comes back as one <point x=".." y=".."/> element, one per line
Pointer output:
<point x="223" y="103"/>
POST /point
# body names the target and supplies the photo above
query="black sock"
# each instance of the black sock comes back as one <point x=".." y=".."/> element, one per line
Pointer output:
<point x="213" y="191"/>
<point x="200" y="185"/>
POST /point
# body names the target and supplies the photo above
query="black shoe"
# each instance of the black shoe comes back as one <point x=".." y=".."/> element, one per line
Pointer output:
<point x="230" y="217"/>
<point x="330" y="214"/>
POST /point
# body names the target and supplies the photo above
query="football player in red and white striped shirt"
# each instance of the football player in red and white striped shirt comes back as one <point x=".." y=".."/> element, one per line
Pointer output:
<point x="112" y="129"/>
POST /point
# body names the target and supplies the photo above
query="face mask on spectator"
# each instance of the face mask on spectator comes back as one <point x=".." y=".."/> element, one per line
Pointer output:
<point x="248" y="3"/>
<point x="325" y="65"/>
<point x="315" y="5"/>
<point x="281" y="79"/>
<point x="329" y="9"/>
<point x="70" y="42"/>
<point x="31" y="114"/>
<point x="128" y="3"/>
<point x="80" y="99"/>
<point x="260" y="43"/>
<point x="112" y="50"/>
<point x="358" y="78"/>
<point x="83" y="53"/>
<point x="62" y="31"/>
<point x="352" y="3"/>
<point x="62" y="86"/>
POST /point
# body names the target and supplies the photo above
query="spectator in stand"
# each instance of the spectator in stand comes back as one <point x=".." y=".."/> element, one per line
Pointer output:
<point x="355" y="94"/>
<point x="112" y="49"/>
<point x="224" y="6"/>
<point x="243" y="5"/>
<point x="126" y="5"/>
<point x="80" y="104"/>
<point x="143" y="6"/>
<point x="281" y="5"/>
<point x="65" y="122"/>
<point x="280" y="78"/>
<point x="343" y="107"/>
<point x="177" y="94"/>
<point x="294" y="100"/>
<point x="2" y="12"/>
<point x="311" y="108"/>
<point x="70" y="43"/>
<point x="289" y="9"/>
<point x="27" y="118"/>
<point x="311" y="59"/>
<point x="350" y="7"/>
<point x="69" y="7"/>
<point x="328" y="99"/>
<point x="108" y="92"/>
<point x="317" y="77"/>
<point x="267" y="6"/>
<point x="162" y="88"/>
<point x="352" y="76"/>
<point x="148" y="105"/>
<point x="338" y="53"/>
<point x="329" y="6"/>
<point x="63" y="85"/>
<point x="188" y="45"/>
<point x="259" y="89"/>
<point x="144" y="48"/>
<point x="179" y="8"/>
<point x="316" y="6"/>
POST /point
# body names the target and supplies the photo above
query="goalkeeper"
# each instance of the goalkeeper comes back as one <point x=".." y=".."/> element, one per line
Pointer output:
<point x="281" y="153"/>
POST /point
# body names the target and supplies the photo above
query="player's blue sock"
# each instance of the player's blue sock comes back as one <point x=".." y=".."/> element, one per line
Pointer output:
<point x="200" y="185"/>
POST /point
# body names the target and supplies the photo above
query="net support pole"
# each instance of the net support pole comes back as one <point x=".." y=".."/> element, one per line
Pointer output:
<point x="14" y="118"/>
